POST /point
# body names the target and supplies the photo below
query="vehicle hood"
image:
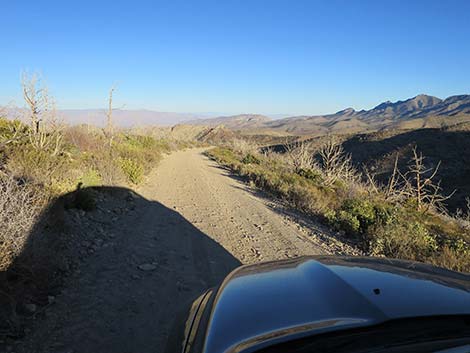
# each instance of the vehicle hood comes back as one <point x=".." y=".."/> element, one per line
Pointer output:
<point x="259" y="305"/>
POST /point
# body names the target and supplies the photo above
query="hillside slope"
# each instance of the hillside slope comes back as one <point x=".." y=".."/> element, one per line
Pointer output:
<point x="452" y="148"/>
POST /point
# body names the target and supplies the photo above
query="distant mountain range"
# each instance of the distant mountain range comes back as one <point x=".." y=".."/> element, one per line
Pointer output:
<point x="417" y="112"/>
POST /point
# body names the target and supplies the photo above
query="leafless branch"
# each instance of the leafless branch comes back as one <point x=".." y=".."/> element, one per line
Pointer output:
<point x="300" y="155"/>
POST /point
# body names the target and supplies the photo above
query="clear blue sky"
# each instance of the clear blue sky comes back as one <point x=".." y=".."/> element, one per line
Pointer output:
<point x="291" y="56"/>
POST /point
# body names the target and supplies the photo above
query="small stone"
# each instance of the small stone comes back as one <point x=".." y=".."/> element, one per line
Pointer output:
<point x="85" y="244"/>
<point x="30" y="307"/>
<point x="147" y="267"/>
<point x="50" y="299"/>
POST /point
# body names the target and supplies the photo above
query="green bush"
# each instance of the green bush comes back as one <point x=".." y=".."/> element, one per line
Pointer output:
<point x="310" y="174"/>
<point x="401" y="239"/>
<point x="9" y="127"/>
<point x="37" y="166"/>
<point x="133" y="170"/>
<point x="250" y="159"/>
<point x="90" y="178"/>
<point x="357" y="215"/>
<point x="347" y="222"/>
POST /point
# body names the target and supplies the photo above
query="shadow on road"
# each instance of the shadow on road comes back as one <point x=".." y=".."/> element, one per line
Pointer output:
<point x="108" y="279"/>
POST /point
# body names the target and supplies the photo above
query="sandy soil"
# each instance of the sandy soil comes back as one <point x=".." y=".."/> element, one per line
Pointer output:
<point x="186" y="228"/>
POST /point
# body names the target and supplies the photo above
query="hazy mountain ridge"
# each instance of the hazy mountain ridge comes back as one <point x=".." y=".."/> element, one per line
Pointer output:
<point x="126" y="118"/>
<point x="235" y="122"/>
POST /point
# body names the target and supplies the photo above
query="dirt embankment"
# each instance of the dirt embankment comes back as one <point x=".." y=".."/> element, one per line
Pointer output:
<point x="145" y="254"/>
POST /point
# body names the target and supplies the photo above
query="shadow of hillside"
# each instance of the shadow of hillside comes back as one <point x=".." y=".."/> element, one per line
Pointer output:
<point x="107" y="280"/>
<point x="452" y="148"/>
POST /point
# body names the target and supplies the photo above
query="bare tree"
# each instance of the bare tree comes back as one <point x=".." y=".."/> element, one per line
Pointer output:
<point x="36" y="99"/>
<point x="335" y="163"/>
<point x="109" y="113"/>
<point x="109" y="128"/>
<point x="392" y="189"/>
<point x="421" y="186"/>
<point x="45" y="132"/>
<point x="300" y="155"/>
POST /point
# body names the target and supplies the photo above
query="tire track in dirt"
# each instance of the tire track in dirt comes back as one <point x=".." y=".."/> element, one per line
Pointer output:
<point x="227" y="210"/>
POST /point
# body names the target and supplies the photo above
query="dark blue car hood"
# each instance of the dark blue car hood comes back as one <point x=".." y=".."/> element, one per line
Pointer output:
<point x="277" y="301"/>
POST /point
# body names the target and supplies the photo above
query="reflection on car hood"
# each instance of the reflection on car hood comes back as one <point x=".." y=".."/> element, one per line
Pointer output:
<point x="276" y="301"/>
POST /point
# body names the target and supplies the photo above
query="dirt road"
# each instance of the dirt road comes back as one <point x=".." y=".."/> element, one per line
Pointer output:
<point x="191" y="225"/>
<point x="248" y="226"/>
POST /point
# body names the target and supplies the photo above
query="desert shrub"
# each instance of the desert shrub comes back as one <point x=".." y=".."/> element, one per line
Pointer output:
<point x="11" y="131"/>
<point x="142" y="141"/>
<point x="451" y="258"/>
<point x="90" y="178"/>
<point x="310" y="174"/>
<point x="357" y="215"/>
<point x="20" y="206"/>
<point x="347" y="222"/>
<point x="402" y="239"/>
<point x="458" y="244"/>
<point x="133" y="170"/>
<point x="143" y="150"/>
<point x="108" y="167"/>
<point x="37" y="166"/>
<point x="222" y="155"/>
<point x="243" y="146"/>
<point x="250" y="159"/>
<point x="77" y="137"/>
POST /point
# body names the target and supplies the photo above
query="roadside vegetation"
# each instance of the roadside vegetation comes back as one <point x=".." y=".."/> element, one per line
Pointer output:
<point x="42" y="159"/>
<point x="404" y="217"/>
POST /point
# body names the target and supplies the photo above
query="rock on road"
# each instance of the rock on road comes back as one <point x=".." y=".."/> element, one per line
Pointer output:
<point x="192" y="224"/>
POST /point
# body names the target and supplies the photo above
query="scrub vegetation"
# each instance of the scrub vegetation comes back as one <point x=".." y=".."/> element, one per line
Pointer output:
<point x="404" y="217"/>
<point x="41" y="159"/>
